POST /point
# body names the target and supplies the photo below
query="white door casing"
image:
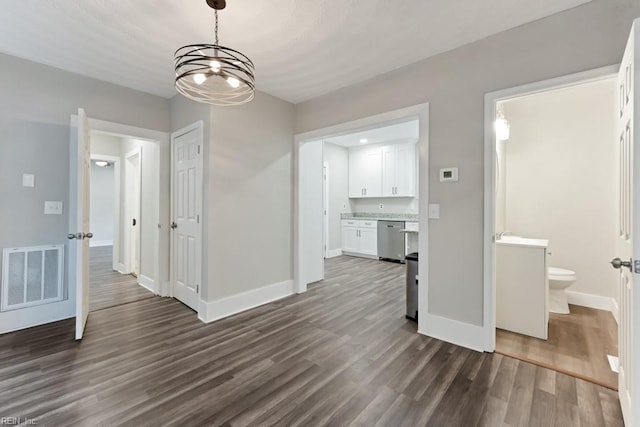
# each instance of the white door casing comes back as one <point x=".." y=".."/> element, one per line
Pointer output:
<point x="629" y="238"/>
<point x="325" y="211"/>
<point x="186" y="208"/>
<point x="80" y="224"/>
<point x="133" y="186"/>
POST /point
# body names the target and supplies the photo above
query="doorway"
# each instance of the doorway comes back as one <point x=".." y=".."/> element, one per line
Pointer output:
<point x="552" y="218"/>
<point x="325" y="179"/>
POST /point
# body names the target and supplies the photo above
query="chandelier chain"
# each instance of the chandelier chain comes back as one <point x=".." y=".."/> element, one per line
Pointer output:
<point x="216" y="29"/>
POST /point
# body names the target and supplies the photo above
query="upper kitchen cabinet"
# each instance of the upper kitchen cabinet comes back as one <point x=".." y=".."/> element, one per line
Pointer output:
<point x="399" y="170"/>
<point x="383" y="171"/>
<point x="365" y="173"/>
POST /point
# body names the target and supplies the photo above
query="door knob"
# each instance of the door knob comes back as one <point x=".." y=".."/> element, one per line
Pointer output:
<point x="174" y="225"/>
<point x="617" y="263"/>
<point x="134" y="222"/>
<point x="87" y="236"/>
<point x="71" y="236"/>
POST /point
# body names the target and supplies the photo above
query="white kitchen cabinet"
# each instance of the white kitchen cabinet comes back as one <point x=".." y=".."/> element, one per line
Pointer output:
<point x="365" y="173"/>
<point x="399" y="170"/>
<point x="360" y="237"/>
<point x="383" y="171"/>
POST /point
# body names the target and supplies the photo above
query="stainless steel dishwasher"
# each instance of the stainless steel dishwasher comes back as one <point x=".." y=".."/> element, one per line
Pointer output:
<point x="391" y="240"/>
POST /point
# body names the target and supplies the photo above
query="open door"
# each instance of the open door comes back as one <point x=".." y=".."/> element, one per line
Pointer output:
<point x="628" y="262"/>
<point x="79" y="233"/>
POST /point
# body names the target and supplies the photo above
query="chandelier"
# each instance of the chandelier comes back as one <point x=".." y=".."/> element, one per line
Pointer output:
<point x="214" y="74"/>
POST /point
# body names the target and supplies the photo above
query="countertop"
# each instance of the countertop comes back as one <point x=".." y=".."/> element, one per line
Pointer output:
<point x="523" y="241"/>
<point x="380" y="217"/>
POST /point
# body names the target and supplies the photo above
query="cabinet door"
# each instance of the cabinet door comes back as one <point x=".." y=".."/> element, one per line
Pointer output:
<point x="389" y="171"/>
<point x="372" y="173"/>
<point x="369" y="241"/>
<point x="350" y="239"/>
<point x="405" y="163"/>
<point x="357" y="162"/>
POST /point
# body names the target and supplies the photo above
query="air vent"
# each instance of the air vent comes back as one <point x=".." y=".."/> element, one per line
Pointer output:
<point x="31" y="276"/>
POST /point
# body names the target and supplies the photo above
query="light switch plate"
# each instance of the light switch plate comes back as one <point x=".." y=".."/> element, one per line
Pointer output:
<point x="28" y="180"/>
<point x="434" y="211"/>
<point x="52" y="208"/>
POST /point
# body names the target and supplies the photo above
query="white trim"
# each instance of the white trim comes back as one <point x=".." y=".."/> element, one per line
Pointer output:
<point x="332" y="253"/>
<point x="97" y="243"/>
<point x="490" y="101"/>
<point x="133" y="156"/>
<point x="615" y="310"/>
<point x="325" y="204"/>
<point x="590" y="300"/>
<point x="359" y="255"/>
<point x="116" y="206"/>
<point x="147" y="283"/>
<point x="224" y="307"/>
<point x="35" y="316"/>
<point x="453" y="331"/>
<point x="120" y="268"/>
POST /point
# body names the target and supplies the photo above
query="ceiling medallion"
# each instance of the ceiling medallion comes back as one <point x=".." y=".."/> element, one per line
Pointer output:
<point x="214" y="74"/>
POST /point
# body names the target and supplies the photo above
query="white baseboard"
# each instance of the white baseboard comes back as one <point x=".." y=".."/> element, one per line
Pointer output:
<point x="95" y="243"/>
<point x="15" y="320"/>
<point x="147" y="283"/>
<point x="120" y="269"/>
<point x="218" y="309"/>
<point x="332" y="253"/>
<point x="452" y="331"/>
<point x="360" y="255"/>
<point x="615" y="310"/>
<point x="589" y="300"/>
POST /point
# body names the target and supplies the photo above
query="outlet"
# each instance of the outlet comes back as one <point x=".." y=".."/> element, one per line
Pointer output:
<point x="381" y="206"/>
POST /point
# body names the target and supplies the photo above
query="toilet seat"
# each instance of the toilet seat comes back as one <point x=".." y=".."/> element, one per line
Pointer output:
<point x="562" y="274"/>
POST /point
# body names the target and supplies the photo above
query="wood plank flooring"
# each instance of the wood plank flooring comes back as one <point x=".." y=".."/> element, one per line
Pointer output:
<point x="578" y="344"/>
<point x="110" y="288"/>
<point x="340" y="354"/>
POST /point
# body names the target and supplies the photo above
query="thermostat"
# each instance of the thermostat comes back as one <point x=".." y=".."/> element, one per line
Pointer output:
<point x="449" y="175"/>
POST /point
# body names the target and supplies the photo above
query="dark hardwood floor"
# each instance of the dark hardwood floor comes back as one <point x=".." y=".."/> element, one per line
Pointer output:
<point x="341" y="354"/>
<point x="110" y="288"/>
<point x="578" y="344"/>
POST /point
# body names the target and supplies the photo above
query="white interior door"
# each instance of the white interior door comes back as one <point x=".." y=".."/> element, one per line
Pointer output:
<point x="80" y="234"/>
<point x="325" y="212"/>
<point x="629" y="237"/>
<point x="186" y="185"/>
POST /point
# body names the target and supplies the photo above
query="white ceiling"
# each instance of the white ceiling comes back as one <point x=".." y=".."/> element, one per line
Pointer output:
<point x="301" y="48"/>
<point x="395" y="132"/>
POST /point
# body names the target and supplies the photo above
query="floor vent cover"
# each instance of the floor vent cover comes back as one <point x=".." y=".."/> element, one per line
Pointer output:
<point x="31" y="276"/>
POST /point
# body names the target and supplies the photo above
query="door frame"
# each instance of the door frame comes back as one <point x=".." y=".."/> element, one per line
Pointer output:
<point x="420" y="112"/>
<point x="490" y="104"/>
<point x="325" y="202"/>
<point x="161" y="195"/>
<point x="199" y="125"/>
<point x="116" y="205"/>
<point x="132" y="208"/>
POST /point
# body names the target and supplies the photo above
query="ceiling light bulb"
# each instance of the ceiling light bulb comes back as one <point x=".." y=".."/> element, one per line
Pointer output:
<point x="199" y="78"/>
<point x="364" y="141"/>
<point x="102" y="163"/>
<point x="215" y="66"/>
<point x="233" y="82"/>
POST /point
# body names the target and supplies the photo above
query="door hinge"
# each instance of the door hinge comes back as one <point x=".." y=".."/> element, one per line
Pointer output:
<point x="198" y="288"/>
<point x="198" y="149"/>
<point x="198" y="218"/>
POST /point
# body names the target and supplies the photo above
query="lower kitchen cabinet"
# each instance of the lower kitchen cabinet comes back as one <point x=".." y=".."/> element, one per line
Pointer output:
<point x="360" y="237"/>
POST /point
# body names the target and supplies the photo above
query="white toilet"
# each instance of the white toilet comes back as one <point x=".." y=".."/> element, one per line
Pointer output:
<point x="559" y="280"/>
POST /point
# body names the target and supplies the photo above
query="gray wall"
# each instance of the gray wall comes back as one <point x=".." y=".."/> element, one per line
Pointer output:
<point x="250" y="196"/>
<point x="337" y="158"/>
<point x="454" y="83"/>
<point x="35" y="109"/>
<point x="102" y="203"/>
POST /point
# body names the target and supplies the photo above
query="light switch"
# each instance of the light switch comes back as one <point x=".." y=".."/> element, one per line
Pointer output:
<point x="52" y="208"/>
<point x="434" y="211"/>
<point x="28" y="180"/>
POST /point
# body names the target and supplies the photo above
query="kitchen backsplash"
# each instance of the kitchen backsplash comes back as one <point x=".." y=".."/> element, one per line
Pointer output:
<point x="389" y="205"/>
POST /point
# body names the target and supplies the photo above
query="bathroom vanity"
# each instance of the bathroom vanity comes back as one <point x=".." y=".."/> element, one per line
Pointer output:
<point x="521" y="286"/>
